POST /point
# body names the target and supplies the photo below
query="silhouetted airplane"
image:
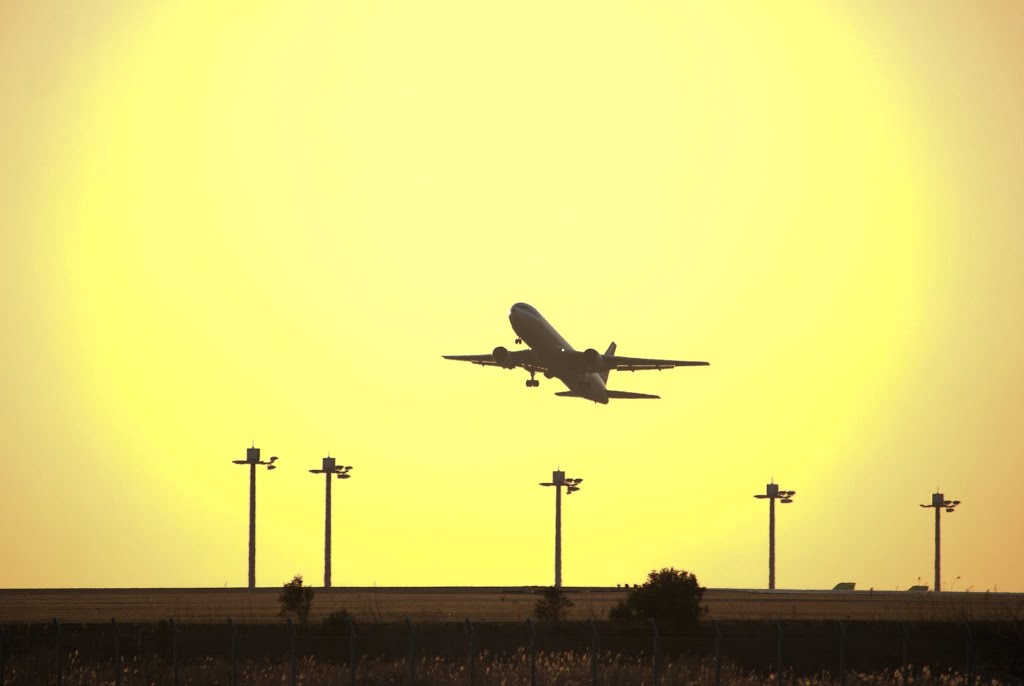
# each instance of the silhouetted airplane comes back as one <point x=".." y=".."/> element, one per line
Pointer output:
<point x="584" y="373"/>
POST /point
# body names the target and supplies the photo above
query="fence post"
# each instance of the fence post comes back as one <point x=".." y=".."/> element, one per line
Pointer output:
<point x="117" y="652"/>
<point x="778" y="654"/>
<point x="905" y="652"/>
<point x="412" y="652"/>
<point x="174" y="651"/>
<point x="842" y="653"/>
<point x="655" y="646"/>
<point x="593" y="652"/>
<point x="470" y="653"/>
<point x="533" y="652"/>
<point x="291" y="634"/>
<point x="234" y="653"/>
<point x="969" y="650"/>
<point x="718" y="653"/>
<point x="353" y="652"/>
<point x="60" y="649"/>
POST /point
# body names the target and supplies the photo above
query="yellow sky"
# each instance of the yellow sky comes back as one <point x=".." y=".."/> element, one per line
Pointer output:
<point x="254" y="222"/>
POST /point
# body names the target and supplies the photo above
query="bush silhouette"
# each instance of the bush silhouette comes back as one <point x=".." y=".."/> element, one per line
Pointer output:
<point x="296" y="599"/>
<point x="671" y="597"/>
<point x="337" y="621"/>
<point x="552" y="606"/>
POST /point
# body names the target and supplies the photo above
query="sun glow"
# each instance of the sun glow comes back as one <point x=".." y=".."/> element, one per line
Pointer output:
<point x="269" y="224"/>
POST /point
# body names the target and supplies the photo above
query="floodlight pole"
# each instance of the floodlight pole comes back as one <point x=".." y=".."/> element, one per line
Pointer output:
<point x="252" y="524"/>
<point x="327" y="535"/>
<point x="558" y="480"/>
<point x="252" y="458"/>
<point x="939" y="503"/>
<point x="558" y="533"/>
<point x="329" y="469"/>
<point x="772" y="493"/>
<point x="771" y="543"/>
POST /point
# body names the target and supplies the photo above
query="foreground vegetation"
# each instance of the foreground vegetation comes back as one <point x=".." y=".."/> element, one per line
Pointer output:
<point x="552" y="669"/>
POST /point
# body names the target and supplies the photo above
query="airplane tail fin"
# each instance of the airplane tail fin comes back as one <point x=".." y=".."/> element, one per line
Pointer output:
<point x="608" y="353"/>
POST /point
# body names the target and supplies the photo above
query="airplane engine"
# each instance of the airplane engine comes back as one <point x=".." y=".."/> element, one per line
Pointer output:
<point x="593" y="360"/>
<point x="501" y="357"/>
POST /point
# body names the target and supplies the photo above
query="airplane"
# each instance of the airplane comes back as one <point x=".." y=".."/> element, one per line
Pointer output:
<point x="583" y="373"/>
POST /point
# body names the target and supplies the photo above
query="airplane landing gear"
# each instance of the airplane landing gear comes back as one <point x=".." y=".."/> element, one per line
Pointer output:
<point x="532" y="382"/>
<point x="519" y="341"/>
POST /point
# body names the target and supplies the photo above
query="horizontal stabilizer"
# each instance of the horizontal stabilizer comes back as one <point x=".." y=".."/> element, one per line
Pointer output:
<point x="616" y="395"/>
<point x="626" y="395"/>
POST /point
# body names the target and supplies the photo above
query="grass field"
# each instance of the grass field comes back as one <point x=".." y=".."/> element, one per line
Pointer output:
<point x="486" y="604"/>
<point x="567" y="669"/>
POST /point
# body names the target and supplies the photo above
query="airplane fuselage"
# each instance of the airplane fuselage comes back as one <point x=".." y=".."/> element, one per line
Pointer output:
<point x="549" y="345"/>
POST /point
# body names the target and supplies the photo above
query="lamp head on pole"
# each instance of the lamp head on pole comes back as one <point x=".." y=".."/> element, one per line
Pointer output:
<point x="939" y="502"/>
<point x="331" y="466"/>
<point x="773" y="492"/>
<point x="252" y="457"/>
<point x="558" y="479"/>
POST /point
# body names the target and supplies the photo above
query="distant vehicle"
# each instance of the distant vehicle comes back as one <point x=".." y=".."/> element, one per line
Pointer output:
<point x="584" y="373"/>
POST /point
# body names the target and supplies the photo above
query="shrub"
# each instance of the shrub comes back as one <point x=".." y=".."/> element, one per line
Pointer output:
<point x="671" y="597"/>
<point x="296" y="599"/>
<point x="552" y="606"/>
<point x="337" y="621"/>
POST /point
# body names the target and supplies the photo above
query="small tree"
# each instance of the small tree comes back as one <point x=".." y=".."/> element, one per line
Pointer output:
<point x="337" y="621"/>
<point x="296" y="599"/>
<point x="552" y="606"/>
<point x="671" y="597"/>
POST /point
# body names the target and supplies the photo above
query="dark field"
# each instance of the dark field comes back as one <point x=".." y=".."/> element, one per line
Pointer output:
<point x="487" y="605"/>
<point x="886" y="638"/>
<point x="810" y="653"/>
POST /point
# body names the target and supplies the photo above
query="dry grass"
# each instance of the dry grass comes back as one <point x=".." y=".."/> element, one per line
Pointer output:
<point x="486" y="604"/>
<point x="554" y="669"/>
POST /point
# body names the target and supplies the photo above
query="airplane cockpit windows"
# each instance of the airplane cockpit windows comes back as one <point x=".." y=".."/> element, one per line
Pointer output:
<point x="526" y="308"/>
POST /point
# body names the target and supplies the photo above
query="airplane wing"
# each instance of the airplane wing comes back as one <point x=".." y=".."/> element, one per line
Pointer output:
<point x="510" y="359"/>
<point x="637" y="364"/>
<point x="485" y="360"/>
